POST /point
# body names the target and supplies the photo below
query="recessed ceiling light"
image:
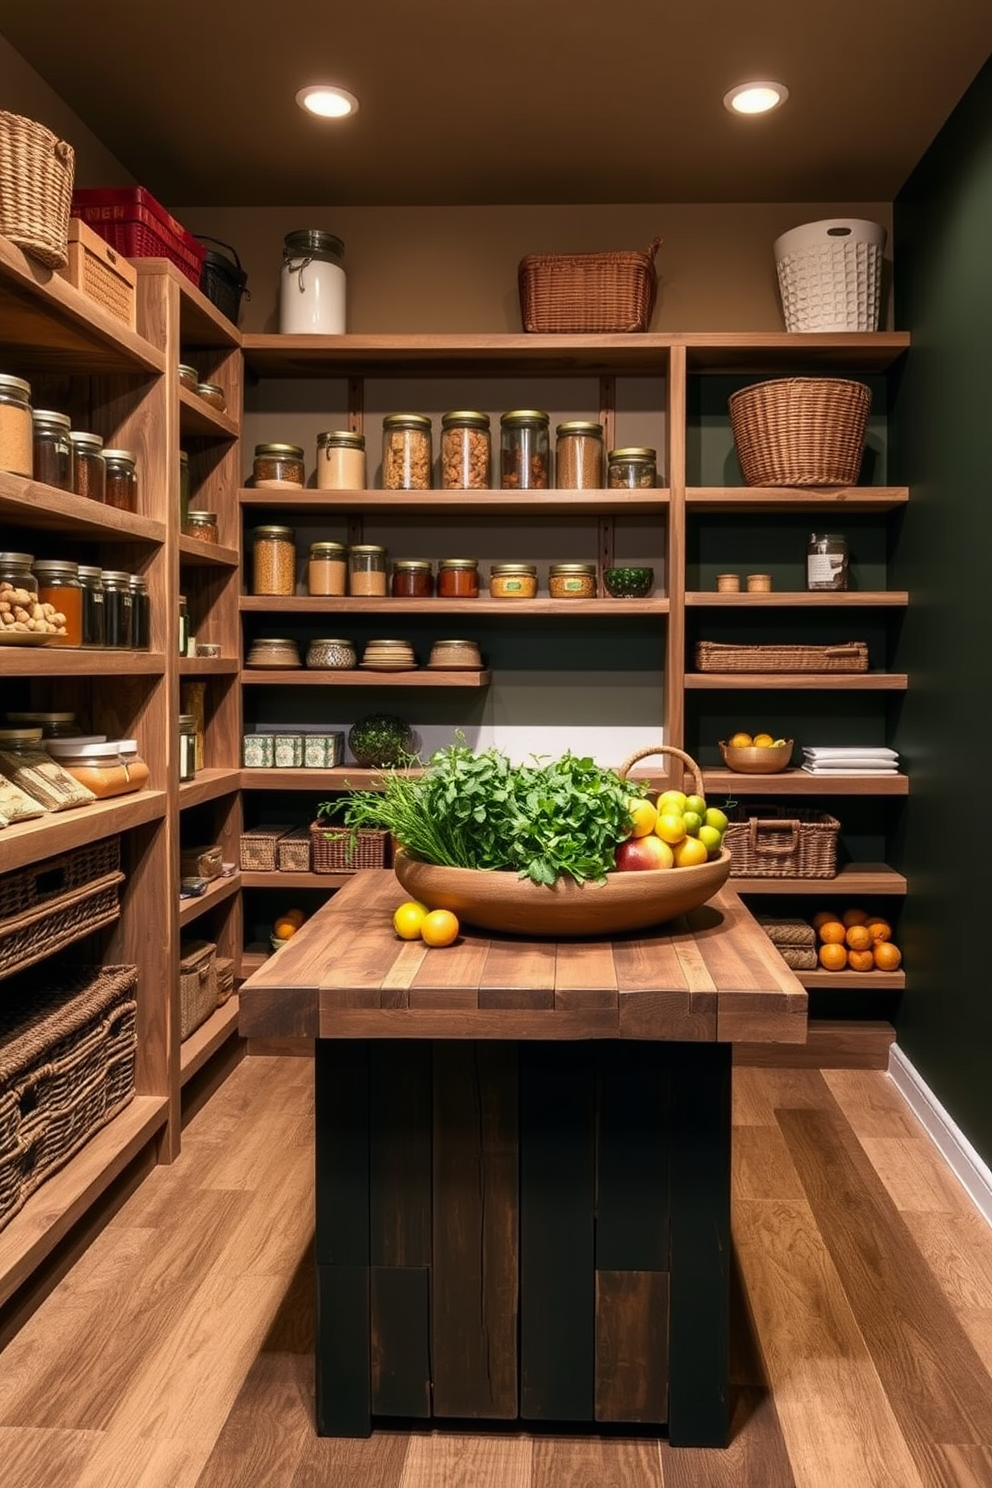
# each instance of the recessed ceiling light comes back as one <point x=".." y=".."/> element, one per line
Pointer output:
<point x="327" y="101"/>
<point x="755" y="98"/>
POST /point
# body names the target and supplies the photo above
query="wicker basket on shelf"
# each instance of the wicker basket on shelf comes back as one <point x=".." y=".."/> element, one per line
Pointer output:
<point x="721" y="656"/>
<point x="342" y="850"/>
<point x="584" y="293"/>
<point x="768" y="840"/>
<point x="36" y="175"/>
<point x="800" y="431"/>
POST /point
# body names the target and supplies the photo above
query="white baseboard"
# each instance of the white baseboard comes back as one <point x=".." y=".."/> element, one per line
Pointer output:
<point x="972" y="1172"/>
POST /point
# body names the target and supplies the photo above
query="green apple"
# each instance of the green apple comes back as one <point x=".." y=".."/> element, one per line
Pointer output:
<point x="711" y="838"/>
<point x="697" y="804"/>
<point x="716" y="818"/>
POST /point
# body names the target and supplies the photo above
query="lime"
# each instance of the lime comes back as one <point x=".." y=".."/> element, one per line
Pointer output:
<point x="716" y="818"/>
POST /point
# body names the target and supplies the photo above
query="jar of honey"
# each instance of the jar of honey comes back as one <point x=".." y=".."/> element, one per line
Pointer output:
<point x="58" y="585"/>
<point x="513" y="580"/>
<point x="412" y="578"/>
<point x="458" y="578"/>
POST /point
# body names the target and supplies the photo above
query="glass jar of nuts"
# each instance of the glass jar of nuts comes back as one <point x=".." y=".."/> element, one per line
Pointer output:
<point x="465" y="451"/>
<point x="407" y="454"/>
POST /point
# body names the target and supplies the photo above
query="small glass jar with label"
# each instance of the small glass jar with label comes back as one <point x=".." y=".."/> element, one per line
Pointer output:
<point x="52" y="449"/>
<point x="278" y="465"/>
<point x="327" y="569"/>
<point x="826" y="561"/>
<point x="16" y="426"/>
<point x="525" y="450"/>
<point x="91" y="582"/>
<point x="412" y="578"/>
<point x="632" y="468"/>
<point x="458" y="578"/>
<point x="140" y="613"/>
<point x="341" y="460"/>
<point x="117" y="609"/>
<point x="572" y="580"/>
<point x="466" y="451"/>
<point x="367" y="570"/>
<point x="121" y="489"/>
<point x="58" y="585"/>
<point x="579" y="456"/>
<point x="187" y="747"/>
<point x="513" y="581"/>
<point x="407" y="452"/>
<point x="274" y="561"/>
<point x="16" y="570"/>
<point x="89" y="471"/>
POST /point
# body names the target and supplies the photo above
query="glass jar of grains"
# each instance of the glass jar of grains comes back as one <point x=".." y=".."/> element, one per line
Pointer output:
<point x="413" y="578"/>
<point x="89" y="472"/>
<point x="16" y="426"/>
<point x="572" y="581"/>
<point x="327" y="568"/>
<point x="274" y="561"/>
<point x="189" y="378"/>
<point x="58" y="585"/>
<point x="406" y="452"/>
<point x="579" y="456"/>
<point x="278" y="465"/>
<point x="121" y="489"/>
<point x="458" y="578"/>
<point x="52" y="449"/>
<point x="341" y="461"/>
<point x="466" y="455"/>
<point x="16" y="570"/>
<point x="367" y="570"/>
<point x="513" y="580"/>
<point x="525" y="453"/>
<point x="201" y="525"/>
<point x="91" y="583"/>
<point x="213" y="393"/>
<point x="632" y="468"/>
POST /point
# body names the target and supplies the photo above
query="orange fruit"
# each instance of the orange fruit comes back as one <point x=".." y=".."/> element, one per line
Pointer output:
<point x="859" y="938"/>
<point x="740" y="741"/>
<point x="832" y="932"/>
<point x="284" y="928"/>
<point x="440" y="928"/>
<point x="670" y="827"/>
<point x="822" y="916"/>
<point x="879" y="929"/>
<point x="763" y="741"/>
<point x="296" y="915"/>
<point x="855" y="917"/>
<point x="861" y="960"/>
<point x="833" y="957"/>
<point x="408" y="919"/>
<point x="689" y="852"/>
<point x="887" y="957"/>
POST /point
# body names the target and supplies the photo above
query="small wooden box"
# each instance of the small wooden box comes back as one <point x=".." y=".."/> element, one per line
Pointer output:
<point x="100" y="273"/>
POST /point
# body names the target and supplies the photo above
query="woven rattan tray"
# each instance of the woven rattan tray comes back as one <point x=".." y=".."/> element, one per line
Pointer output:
<point x="585" y="293"/>
<point x="722" y="656"/>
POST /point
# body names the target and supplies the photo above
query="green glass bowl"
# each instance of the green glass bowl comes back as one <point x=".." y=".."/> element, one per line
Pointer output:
<point x="628" y="583"/>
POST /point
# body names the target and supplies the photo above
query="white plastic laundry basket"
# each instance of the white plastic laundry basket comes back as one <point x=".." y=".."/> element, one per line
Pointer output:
<point x="829" y="275"/>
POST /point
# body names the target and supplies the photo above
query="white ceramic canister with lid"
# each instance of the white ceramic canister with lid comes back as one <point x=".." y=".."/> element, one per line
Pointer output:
<point x="312" y="298"/>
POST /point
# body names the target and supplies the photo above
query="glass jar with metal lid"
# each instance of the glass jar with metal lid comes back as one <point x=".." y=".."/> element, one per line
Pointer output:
<point x="91" y="582"/>
<point x="89" y="471"/>
<point x="513" y="580"/>
<point x="16" y="426"/>
<point x="278" y="465"/>
<point x="117" y="609"/>
<point x="579" y="456"/>
<point x="367" y="570"/>
<point x="274" y="561"/>
<point x="458" y="578"/>
<point x="16" y="570"/>
<point x="121" y="480"/>
<point x="201" y="525"/>
<point x="327" y="568"/>
<point x="412" y="578"/>
<point x="631" y="468"/>
<point x="189" y="378"/>
<point x="572" y="580"/>
<point x="312" y="289"/>
<point x="52" y="725"/>
<point x="52" y="448"/>
<point x="407" y="452"/>
<point x="140" y="613"/>
<point x="101" y="767"/>
<point x="59" y="586"/>
<point x="525" y="450"/>
<point x="341" y="460"/>
<point x="214" y="394"/>
<point x="466" y="451"/>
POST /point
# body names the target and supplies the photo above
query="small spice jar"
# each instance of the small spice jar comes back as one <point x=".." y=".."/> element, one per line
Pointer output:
<point x="455" y="655"/>
<point x="140" y="613"/>
<point x="579" y="456"/>
<point x="341" y="460"/>
<point x="458" y="578"/>
<point x="826" y="561"/>
<point x="274" y="561"/>
<point x="201" y="525"/>
<point x="189" y="378"/>
<point x="58" y="585"/>
<point x="332" y="653"/>
<point x="117" y="609"/>
<point x="212" y="393"/>
<point x="525" y="450"/>
<point x="278" y="465"/>
<point x="759" y="583"/>
<point x="631" y="468"/>
<point x="513" y="581"/>
<point x="16" y="426"/>
<point x="187" y="747"/>
<point x="89" y="471"/>
<point x="91" y="583"/>
<point x="367" y="570"/>
<point x="121" y="480"/>
<point x="412" y="578"/>
<point x="572" y="580"/>
<point x="277" y="652"/>
<point x="52" y="449"/>
<point x="327" y="568"/>
<point x="406" y="452"/>
<point x="466" y="451"/>
<point x="728" y="583"/>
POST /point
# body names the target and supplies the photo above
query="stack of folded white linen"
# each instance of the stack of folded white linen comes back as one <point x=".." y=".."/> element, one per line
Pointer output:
<point x="855" y="760"/>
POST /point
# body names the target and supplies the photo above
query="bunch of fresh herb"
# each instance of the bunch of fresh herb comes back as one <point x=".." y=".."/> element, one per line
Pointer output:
<point x="543" y="820"/>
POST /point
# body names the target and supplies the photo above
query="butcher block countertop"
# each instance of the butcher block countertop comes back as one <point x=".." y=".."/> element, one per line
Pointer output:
<point x="711" y="975"/>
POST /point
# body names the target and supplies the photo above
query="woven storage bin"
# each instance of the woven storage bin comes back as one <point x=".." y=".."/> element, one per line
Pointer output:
<point x="225" y="979"/>
<point x="340" y="850"/>
<point x="789" y="931"/>
<point x="201" y="862"/>
<point x="769" y="840"/>
<point x="133" y="222"/>
<point x="48" y="905"/>
<point x="36" y="175"/>
<point x="800" y="431"/>
<point x="197" y="984"/>
<point x="100" y="273"/>
<point x="293" y="851"/>
<point x="67" y="1066"/>
<point x="585" y="293"/>
<point x="722" y="656"/>
<point x="830" y="275"/>
<point x="258" y="848"/>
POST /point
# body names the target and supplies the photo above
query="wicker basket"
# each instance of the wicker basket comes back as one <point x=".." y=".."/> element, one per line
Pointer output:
<point x="585" y="293"/>
<point x="258" y="848"/>
<point x="293" y="851"/>
<point x="723" y="656"/>
<point x="100" y="273"/>
<point x="800" y="431"/>
<point x="48" y="905"/>
<point x="225" y="979"/>
<point x="769" y="840"/>
<point x="341" y="850"/>
<point x="197" y="984"/>
<point x="36" y="175"/>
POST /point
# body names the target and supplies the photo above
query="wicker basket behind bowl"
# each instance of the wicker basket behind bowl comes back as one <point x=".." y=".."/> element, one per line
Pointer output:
<point x="36" y="175"/>
<point x="800" y="431"/>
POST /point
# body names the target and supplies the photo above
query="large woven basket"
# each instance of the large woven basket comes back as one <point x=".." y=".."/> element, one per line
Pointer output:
<point x="49" y="904"/>
<point x="800" y="431"/>
<point x="36" y="175"/>
<point x="585" y="293"/>
<point x="724" y="656"/>
<point x="337" y="849"/>
<point x="769" y="840"/>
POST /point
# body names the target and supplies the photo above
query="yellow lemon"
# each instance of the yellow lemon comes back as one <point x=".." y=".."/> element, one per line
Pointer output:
<point x="763" y="741"/>
<point x="643" y="816"/>
<point x="440" y="928"/>
<point x="408" y="919"/>
<point x="670" y="827"/>
<point x="690" y="852"/>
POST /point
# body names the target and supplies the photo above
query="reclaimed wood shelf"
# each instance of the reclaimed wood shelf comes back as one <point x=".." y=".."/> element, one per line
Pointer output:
<point x="606" y="608"/>
<point x="30" y="503"/>
<point x="193" y="551"/>
<point x="61" y="831"/>
<point x="208" y="785"/>
<point x="859" y="981"/>
<point x="798" y="681"/>
<point x="218" y="889"/>
<point x="847" y="599"/>
<point x="798" y="782"/>
<point x="330" y="677"/>
<point x="203" y="1043"/>
<point x="465" y="504"/>
<point x="284" y="878"/>
<point x="795" y="498"/>
<point x="851" y="879"/>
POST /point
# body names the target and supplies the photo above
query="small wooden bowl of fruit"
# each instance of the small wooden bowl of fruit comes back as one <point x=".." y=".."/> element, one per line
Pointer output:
<point x="760" y="755"/>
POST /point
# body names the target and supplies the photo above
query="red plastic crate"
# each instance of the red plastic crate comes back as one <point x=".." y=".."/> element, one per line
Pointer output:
<point x="136" y="225"/>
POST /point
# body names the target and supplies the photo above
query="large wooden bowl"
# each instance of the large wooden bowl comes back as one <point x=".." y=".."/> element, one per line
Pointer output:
<point x="502" y="901"/>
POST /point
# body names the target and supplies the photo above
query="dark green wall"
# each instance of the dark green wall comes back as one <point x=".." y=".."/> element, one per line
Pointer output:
<point x="941" y="436"/>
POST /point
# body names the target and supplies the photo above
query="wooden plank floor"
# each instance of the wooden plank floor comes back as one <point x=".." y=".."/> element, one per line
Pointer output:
<point x="176" y="1352"/>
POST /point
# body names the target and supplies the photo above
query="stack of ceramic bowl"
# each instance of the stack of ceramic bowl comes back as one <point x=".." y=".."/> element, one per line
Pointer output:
<point x="275" y="653"/>
<point x="389" y="656"/>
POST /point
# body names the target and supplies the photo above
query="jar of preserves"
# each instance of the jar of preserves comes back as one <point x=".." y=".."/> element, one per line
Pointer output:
<point x="89" y="472"/>
<point x="91" y="582"/>
<point x="100" y="767"/>
<point x="826" y="561"/>
<point x="278" y="465"/>
<point x="189" y="378"/>
<point x="274" y="561"/>
<point x="137" y="768"/>
<point x="212" y="393"/>
<point x="183" y="489"/>
<point x="52" y="449"/>
<point x="312" y="289"/>
<point x="579" y="456"/>
<point x="341" y="460"/>
<point x="332" y="654"/>
<point x="458" y="578"/>
<point x="572" y="581"/>
<point x="525" y="450"/>
<point x="466" y="452"/>
<point x="121" y="480"/>
<point x="413" y="578"/>
<point x="187" y="747"/>
<point x="327" y="568"/>
<point x="16" y="426"/>
<point x="367" y="570"/>
<point x="201" y="525"/>
<point x="140" y="613"/>
<point x="58" y="585"/>
<point x="117" y="609"/>
<point x="407" y="454"/>
<point x="513" y="580"/>
<point x="632" y="468"/>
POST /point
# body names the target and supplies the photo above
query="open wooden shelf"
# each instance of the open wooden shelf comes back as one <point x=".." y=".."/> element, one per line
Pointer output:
<point x="798" y="681"/>
<point x="857" y="981"/>
<point x="217" y="891"/>
<point x="60" y="831"/>
<point x="193" y="551"/>
<point x="30" y="503"/>
<point x="833" y="499"/>
<point x="254" y="879"/>
<point x="202" y="1044"/>
<point x="208" y="785"/>
<point x="466" y="505"/>
<point x="798" y="782"/>
<point x="415" y="677"/>
<point x="605" y="608"/>
<point x="848" y="599"/>
<point x="873" y="879"/>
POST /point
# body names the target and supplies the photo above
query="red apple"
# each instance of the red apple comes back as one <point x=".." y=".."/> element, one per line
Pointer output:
<point x="637" y="853"/>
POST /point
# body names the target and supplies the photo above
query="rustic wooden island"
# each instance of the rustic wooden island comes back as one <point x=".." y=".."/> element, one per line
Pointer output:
<point x="523" y="1161"/>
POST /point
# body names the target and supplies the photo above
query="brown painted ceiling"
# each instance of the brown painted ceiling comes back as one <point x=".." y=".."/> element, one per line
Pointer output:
<point x="507" y="101"/>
